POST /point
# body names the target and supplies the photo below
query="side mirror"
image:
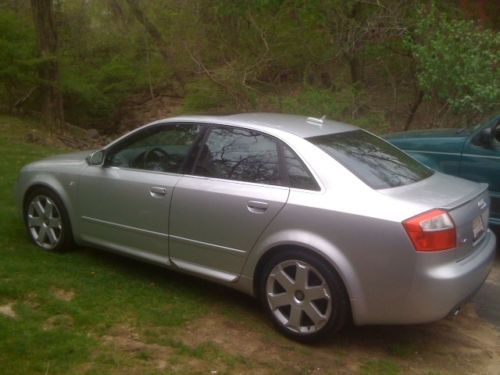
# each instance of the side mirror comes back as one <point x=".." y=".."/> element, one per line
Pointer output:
<point x="95" y="158"/>
<point x="486" y="137"/>
<point x="496" y="131"/>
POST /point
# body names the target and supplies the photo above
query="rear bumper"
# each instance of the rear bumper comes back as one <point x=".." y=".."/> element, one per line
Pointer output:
<point x="439" y="286"/>
<point x="438" y="290"/>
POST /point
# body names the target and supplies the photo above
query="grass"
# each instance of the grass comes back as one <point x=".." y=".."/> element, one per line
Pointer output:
<point x="108" y="290"/>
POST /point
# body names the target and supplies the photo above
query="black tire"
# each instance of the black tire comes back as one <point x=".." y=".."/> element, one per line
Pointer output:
<point x="56" y="238"/>
<point x="328" y="313"/>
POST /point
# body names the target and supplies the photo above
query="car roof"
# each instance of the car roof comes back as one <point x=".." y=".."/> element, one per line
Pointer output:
<point x="300" y="126"/>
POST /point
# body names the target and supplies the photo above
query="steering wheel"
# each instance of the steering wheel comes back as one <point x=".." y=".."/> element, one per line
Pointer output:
<point x="157" y="159"/>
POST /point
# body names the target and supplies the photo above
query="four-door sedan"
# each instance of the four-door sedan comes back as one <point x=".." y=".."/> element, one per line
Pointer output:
<point x="320" y="220"/>
<point x="472" y="153"/>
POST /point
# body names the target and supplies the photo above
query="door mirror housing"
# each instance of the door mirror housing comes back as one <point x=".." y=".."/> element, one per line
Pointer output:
<point x="96" y="158"/>
<point x="490" y="135"/>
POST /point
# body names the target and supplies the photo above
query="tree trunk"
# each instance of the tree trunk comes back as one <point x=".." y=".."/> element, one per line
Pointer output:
<point x="50" y="90"/>
<point x="158" y="40"/>
<point x="413" y="109"/>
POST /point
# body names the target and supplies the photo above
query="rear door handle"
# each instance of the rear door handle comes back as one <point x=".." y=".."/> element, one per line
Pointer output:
<point x="257" y="207"/>
<point x="156" y="191"/>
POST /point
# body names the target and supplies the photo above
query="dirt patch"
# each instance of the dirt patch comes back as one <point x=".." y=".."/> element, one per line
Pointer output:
<point x="127" y="342"/>
<point x="62" y="321"/>
<point x="8" y="311"/>
<point x="463" y="345"/>
<point x="63" y="294"/>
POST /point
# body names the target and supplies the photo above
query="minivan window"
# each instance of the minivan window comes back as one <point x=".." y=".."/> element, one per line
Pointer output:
<point x="376" y="162"/>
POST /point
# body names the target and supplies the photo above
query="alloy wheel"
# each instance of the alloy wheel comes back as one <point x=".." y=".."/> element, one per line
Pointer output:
<point x="298" y="296"/>
<point x="44" y="222"/>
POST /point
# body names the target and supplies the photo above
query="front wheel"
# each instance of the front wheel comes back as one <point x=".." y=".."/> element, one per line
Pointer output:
<point x="46" y="220"/>
<point x="303" y="295"/>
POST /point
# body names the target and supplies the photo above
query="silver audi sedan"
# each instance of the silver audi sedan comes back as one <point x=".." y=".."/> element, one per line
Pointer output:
<point x="322" y="221"/>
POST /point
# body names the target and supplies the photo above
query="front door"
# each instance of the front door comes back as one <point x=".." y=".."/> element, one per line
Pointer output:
<point x="124" y="205"/>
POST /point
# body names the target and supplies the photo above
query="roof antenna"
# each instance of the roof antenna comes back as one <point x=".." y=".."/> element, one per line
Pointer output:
<point x="316" y="121"/>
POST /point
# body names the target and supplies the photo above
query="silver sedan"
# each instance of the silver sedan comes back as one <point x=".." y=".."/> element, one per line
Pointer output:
<point x="322" y="221"/>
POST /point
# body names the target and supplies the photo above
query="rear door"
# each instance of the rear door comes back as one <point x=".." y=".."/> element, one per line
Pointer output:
<point x="233" y="192"/>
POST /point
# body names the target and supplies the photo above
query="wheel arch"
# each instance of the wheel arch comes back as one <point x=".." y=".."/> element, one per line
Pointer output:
<point x="60" y="193"/>
<point x="332" y="265"/>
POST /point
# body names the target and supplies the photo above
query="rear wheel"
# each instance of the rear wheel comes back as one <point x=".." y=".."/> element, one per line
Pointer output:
<point x="303" y="295"/>
<point x="46" y="220"/>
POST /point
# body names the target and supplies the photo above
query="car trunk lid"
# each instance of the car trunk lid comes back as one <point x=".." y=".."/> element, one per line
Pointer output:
<point x="466" y="202"/>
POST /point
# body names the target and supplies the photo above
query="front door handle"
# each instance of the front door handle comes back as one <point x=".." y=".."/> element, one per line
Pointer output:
<point x="257" y="207"/>
<point x="158" y="191"/>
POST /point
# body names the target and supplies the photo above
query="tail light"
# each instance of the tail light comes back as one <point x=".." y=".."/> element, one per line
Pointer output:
<point x="432" y="231"/>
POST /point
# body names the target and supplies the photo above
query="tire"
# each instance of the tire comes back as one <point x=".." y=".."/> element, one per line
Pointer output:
<point x="303" y="295"/>
<point x="47" y="221"/>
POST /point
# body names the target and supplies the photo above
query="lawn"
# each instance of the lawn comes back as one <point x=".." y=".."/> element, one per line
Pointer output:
<point x="89" y="312"/>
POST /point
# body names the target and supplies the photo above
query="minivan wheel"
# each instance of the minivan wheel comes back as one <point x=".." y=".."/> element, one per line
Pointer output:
<point x="46" y="220"/>
<point x="303" y="295"/>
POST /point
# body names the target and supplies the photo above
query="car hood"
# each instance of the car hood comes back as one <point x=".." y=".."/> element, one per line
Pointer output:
<point x="441" y="140"/>
<point x="71" y="159"/>
<point x="73" y="156"/>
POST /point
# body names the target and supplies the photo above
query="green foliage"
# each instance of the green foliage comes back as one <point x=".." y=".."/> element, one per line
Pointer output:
<point x="457" y="61"/>
<point x="18" y="63"/>
<point x="342" y="105"/>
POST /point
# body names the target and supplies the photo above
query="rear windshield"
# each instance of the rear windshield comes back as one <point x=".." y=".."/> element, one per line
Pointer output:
<point x="378" y="163"/>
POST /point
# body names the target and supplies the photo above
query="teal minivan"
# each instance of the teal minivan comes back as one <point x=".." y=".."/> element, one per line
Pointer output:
<point x="472" y="153"/>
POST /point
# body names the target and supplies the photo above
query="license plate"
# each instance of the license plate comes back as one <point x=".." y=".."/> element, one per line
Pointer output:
<point x="477" y="227"/>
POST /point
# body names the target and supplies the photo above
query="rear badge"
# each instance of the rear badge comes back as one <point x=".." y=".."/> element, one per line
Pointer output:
<point x="481" y="204"/>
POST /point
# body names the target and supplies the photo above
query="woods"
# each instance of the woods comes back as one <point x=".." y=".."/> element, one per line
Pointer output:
<point x="380" y="64"/>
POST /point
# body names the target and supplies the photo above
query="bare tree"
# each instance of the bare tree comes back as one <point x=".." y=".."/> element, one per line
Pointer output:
<point x="50" y="90"/>
<point x="156" y="36"/>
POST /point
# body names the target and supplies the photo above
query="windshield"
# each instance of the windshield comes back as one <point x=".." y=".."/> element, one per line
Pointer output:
<point x="376" y="162"/>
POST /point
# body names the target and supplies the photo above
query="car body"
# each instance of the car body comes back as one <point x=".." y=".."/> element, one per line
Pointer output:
<point x="319" y="219"/>
<point x="472" y="153"/>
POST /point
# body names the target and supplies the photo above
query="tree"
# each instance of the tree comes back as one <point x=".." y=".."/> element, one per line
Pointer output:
<point x="157" y="38"/>
<point x="458" y="62"/>
<point x="50" y="90"/>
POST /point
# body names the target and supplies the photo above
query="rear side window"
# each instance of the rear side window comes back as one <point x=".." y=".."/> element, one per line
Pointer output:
<point x="376" y="162"/>
<point x="299" y="176"/>
<point x="239" y="154"/>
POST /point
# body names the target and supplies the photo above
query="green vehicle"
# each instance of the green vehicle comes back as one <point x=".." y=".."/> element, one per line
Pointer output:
<point x="472" y="153"/>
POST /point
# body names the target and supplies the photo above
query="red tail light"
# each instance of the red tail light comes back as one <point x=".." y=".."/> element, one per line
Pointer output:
<point x="432" y="231"/>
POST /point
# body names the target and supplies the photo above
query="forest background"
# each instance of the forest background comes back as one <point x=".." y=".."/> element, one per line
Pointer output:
<point x="112" y="65"/>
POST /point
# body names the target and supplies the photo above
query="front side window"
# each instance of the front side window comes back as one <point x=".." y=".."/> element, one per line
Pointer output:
<point x="239" y="154"/>
<point x="375" y="161"/>
<point x="161" y="148"/>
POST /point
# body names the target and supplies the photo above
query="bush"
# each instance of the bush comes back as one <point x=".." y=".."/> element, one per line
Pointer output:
<point x="346" y="105"/>
<point x="457" y="61"/>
